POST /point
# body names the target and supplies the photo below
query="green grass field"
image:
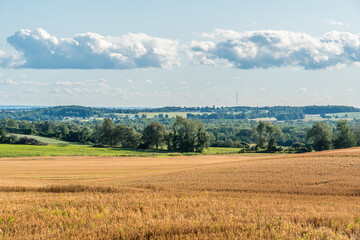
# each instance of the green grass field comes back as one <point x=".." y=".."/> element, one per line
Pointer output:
<point x="62" y="148"/>
<point x="340" y="116"/>
<point x="346" y="115"/>
<point x="9" y="150"/>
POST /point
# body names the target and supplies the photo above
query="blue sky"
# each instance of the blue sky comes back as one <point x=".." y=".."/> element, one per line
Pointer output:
<point x="188" y="53"/>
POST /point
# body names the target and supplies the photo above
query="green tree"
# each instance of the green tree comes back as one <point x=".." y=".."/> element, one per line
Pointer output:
<point x="356" y="132"/>
<point x="203" y="140"/>
<point x="47" y="128"/>
<point x="267" y="134"/>
<point x="320" y="136"/>
<point x="9" y="123"/>
<point x="154" y="135"/>
<point x="115" y="135"/>
<point x="79" y="135"/>
<point x="344" y="138"/>
<point x="188" y="135"/>
<point x="169" y="139"/>
<point x="2" y="136"/>
<point x="62" y="131"/>
<point x="274" y="133"/>
<point x="104" y="132"/>
<point x="125" y="137"/>
<point x="261" y="132"/>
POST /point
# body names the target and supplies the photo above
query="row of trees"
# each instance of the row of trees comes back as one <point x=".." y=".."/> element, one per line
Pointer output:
<point x="322" y="137"/>
<point x="189" y="135"/>
<point x="319" y="137"/>
<point x="186" y="136"/>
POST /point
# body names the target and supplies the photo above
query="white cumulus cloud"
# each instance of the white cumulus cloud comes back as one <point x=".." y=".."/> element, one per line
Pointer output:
<point x="272" y="49"/>
<point x="40" y="50"/>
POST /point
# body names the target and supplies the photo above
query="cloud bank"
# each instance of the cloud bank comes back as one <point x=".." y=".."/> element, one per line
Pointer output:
<point x="273" y="49"/>
<point x="39" y="50"/>
<point x="247" y="50"/>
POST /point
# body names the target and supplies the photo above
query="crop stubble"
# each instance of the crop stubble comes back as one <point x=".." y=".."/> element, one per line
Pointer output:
<point x="304" y="196"/>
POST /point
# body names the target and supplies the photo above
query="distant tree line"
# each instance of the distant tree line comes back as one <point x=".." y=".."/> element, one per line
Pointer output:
<point x="328" y="109"/>
<point x="281" y="113"/>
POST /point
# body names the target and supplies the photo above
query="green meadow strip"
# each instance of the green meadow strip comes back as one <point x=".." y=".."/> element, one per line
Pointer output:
<point x="9" y="150"/>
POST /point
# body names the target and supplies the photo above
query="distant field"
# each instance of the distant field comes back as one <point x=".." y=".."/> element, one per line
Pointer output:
<point x="308" y="117"/>
<point x="156" y="114"/>
<point x="148" y="115"/>
<point x="264" y="119"/>
<point x="313" y="117"/>
<point x="10" y="150"/>
<point x="345" y="115"/>
<point x="303" y="196"/>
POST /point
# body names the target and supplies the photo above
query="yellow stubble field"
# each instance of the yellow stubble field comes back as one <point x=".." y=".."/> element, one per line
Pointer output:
<point x="254" y="196"/>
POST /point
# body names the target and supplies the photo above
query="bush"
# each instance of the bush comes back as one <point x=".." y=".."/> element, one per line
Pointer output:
<point x="274" y="149"/>
<point x="297" y="145"/>
<point x="302" y="150"/>
<point x="99" y="145"/>
<point x="29" y="141"/>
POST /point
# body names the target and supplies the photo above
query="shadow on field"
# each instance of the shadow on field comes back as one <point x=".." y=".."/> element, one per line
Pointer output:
<point x="62" y="189"/>
<point x="150" y="151"/>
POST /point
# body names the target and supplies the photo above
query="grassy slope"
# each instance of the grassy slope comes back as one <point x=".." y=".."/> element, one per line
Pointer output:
<point x="8" y="150"/>
<point x="42" y="139"/>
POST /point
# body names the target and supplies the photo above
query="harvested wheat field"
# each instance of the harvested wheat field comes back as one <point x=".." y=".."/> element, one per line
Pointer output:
<point x="303" y="196"/>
